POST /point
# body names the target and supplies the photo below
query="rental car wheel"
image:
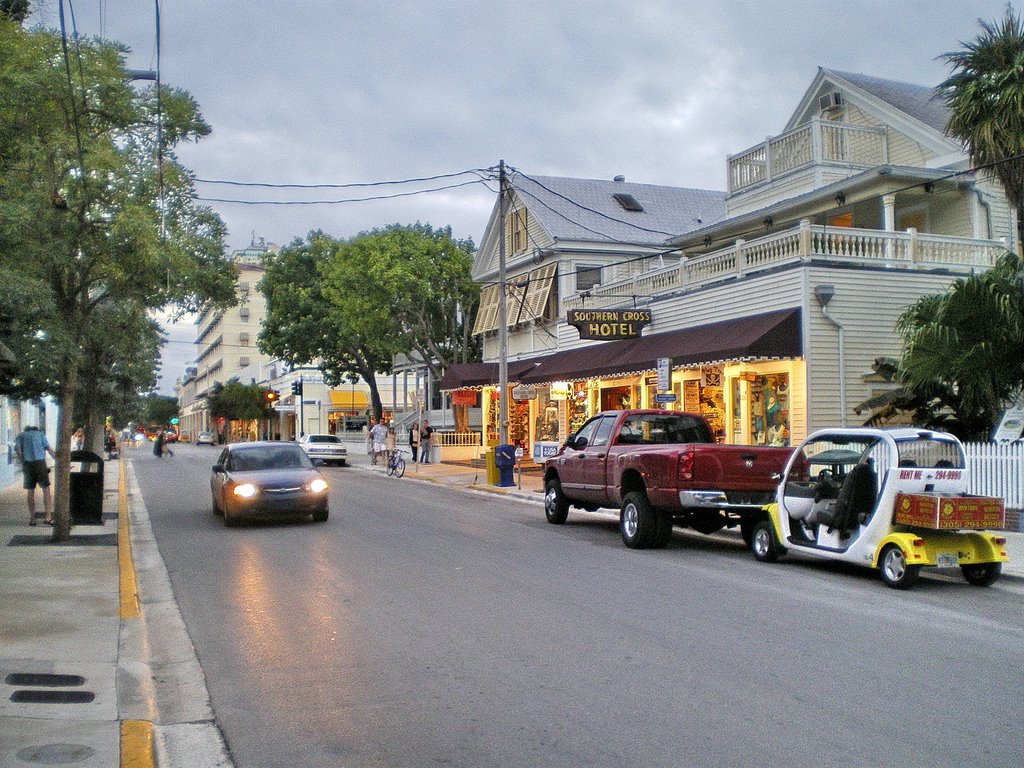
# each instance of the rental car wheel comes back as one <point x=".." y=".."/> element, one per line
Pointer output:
<point x="895" y="572"/>
<point x="639" y="522"/>
<point x="762" y="542"/>
<point x="556" y="506"/>
<point x="983" y="574"/>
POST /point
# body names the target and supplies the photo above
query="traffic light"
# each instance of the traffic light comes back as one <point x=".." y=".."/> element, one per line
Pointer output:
<point x="174" y="420"/>
<point x="270" y="396"/>
<point x="297" y="387"/>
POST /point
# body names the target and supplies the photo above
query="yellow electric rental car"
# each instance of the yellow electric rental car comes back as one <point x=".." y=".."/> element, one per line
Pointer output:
<point x="891" y="499"/>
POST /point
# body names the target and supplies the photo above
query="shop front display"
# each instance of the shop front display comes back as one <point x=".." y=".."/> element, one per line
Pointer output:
<point x="761" y="409"/>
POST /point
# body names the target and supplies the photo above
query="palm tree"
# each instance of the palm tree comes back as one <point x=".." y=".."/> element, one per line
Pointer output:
<point x="985" y="95"/>
<point x="962" y="349"/>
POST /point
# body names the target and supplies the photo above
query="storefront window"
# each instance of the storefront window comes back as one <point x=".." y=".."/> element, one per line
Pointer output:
<point x="769" y="409"/>
<point x="548" y="426"/>
<point x="618" y="398"/>
<point x="577" y="408"/>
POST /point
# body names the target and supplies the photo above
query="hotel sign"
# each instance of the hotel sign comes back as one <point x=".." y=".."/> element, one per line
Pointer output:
<point x="609" y="324"/>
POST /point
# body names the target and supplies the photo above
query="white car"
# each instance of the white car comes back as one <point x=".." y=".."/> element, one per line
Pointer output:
<point x="204" y="438"/>
<point x="326" y="449"/>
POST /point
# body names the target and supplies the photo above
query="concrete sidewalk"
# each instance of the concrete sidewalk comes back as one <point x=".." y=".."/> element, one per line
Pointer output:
<point x="96" y="667"/>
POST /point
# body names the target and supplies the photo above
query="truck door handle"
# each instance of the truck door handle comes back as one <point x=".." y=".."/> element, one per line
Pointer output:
<point x="600" y="456"/>
<point x="749" y="456"/>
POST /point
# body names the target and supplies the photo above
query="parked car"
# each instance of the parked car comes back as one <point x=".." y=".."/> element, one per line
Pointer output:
<point x="184" y="437"/>
<point x="661" y="469"/>
<point x="326" y="449"/>
<point x="267" y="479"/>
<point x="891" y="499"/>
<point x="205" y="438"/>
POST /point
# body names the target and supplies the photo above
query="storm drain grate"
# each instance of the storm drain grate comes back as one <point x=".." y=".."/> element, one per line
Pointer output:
<point x="52" y="697"/>
<point x="99" y="540"/>
<point x="43" y="679"/>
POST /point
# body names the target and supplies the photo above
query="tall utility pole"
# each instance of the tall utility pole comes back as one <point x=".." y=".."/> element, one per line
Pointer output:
<point x="502" y="309"/>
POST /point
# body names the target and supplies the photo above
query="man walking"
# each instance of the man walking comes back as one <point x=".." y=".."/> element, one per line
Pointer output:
<point x="32" y="446"/>
<point x="378" y="436"/>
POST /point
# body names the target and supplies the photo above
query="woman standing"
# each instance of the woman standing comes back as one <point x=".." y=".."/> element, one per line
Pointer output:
<point x="414" y="440"/>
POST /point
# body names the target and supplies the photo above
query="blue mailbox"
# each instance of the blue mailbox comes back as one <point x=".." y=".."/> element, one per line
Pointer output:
<point x="505" y="460"/>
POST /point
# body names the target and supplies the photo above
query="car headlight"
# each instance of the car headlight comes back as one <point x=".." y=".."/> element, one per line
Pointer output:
<point x="318" y="486"/>
<point x="245" y="490"/>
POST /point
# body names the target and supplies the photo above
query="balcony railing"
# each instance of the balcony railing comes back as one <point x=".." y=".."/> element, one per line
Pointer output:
<point x="817" y="142"/>
<point x="862" y="246"/>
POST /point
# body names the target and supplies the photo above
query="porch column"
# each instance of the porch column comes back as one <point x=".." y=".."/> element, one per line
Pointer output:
<point x="889" y="221"/>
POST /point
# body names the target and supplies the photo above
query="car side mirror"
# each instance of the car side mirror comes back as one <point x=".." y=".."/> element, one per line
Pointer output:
<point x="217" y="468"/>
<point x="579" y="443"/>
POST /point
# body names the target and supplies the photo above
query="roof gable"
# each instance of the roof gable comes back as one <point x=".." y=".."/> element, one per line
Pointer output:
<point x="602" y="212"/>
<point x="915" y="110"/>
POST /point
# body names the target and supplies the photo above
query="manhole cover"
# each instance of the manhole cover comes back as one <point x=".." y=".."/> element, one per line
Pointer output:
<point x="43" y="678"/>
<point x="56" y="754"/>
<point x="52" y="697"/>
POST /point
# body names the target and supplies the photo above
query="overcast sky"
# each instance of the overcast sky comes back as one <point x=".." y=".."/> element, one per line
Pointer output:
<point x="320" y="92"/>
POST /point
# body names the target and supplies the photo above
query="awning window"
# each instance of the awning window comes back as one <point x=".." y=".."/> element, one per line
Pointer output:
<point x="348" y="400"/>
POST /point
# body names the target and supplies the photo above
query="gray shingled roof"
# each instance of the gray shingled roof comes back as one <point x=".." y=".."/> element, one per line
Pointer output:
<point x="585" y="210"/>
<point x="919" y="101"/>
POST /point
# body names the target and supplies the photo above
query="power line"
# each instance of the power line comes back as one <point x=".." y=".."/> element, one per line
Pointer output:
<point x="339" y="202"/>
<point x="352" y="185"/>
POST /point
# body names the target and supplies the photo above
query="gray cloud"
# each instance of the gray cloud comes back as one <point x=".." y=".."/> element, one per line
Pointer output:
<point x="312" y="92"/>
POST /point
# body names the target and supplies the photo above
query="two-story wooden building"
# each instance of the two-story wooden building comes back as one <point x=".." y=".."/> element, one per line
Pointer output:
<point x="771" y="301"/>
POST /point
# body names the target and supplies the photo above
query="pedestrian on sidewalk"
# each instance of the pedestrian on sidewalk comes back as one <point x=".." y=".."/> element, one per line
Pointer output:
<point x="369" y="437"/>
<point x="414" y="440"/>
<point x="31" y="447"/>
<point x="425" y="436"/>
<point x="379" y="436"/>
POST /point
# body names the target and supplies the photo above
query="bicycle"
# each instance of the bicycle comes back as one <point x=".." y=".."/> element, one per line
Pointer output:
<point x="396" y="464"/>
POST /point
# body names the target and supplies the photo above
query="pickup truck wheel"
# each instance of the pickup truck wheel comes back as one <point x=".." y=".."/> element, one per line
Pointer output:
<point x="639" y="522"/>
<point x="893" y="568"/>
<point x="556" y="506"/>
<point x="982" y="575"/>
<point x="762" y="542"/>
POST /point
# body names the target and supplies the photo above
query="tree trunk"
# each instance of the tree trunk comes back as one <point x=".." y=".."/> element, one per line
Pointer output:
<point x="62" y="482"/>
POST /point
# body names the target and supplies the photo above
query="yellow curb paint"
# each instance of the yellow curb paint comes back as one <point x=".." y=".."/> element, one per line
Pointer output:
<point x="126" y="566"/>
<point x="137" y="744"/>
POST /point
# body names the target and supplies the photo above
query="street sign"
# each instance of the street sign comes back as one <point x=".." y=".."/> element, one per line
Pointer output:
<point x="524" y="392"/>
<point x="664" y="374"/>
<point x="664" y="397"/>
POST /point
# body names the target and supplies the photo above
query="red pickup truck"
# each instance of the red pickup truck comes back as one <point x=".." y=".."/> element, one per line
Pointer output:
<point x="661" y="468"/>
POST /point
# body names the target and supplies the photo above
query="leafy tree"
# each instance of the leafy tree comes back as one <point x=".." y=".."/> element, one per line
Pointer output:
<point x="160" y="409"/>
<point x="305" y="326"/>
<point x="119" y="356"/>
<point x="92" y="213"/>
<point x="985" y="95"/>
<point x="412" y="284"/>
<point x="962" y="349"/>
<point x="235" y="401"/>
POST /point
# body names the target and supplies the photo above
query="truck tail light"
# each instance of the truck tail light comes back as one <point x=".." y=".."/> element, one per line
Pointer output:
<point x="685" y="469"/>
<point x="999" y="541"/>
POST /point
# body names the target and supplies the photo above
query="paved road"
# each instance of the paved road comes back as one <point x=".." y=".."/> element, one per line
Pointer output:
<point x="424" y="625"/>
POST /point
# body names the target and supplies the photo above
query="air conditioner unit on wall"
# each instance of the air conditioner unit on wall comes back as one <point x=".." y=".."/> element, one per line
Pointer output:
<point x="830" y="101"/>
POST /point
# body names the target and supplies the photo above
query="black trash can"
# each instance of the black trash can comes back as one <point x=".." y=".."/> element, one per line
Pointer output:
<point x="87" y="489"/>
<point x="505" y="460"/>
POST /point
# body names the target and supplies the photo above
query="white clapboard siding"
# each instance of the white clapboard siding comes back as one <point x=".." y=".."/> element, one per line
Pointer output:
<point x="997" y="469"/>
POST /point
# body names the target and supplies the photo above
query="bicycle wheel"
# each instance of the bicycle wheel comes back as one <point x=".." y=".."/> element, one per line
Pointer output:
<point x="399" y="467"/>
<point x="391" y="467"/>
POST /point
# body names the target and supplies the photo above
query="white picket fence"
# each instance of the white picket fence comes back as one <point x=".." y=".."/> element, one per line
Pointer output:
<point x="997" y="469"/>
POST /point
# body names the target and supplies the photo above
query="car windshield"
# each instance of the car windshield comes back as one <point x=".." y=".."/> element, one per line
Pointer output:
<point x="268" y="457"/>
<point x="926" y="451"/>
<point x="324" y="439"/>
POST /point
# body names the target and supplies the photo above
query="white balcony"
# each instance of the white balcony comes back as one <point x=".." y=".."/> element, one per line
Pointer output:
<point x="819" y="142"/>
<point x="909" y="249"/>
